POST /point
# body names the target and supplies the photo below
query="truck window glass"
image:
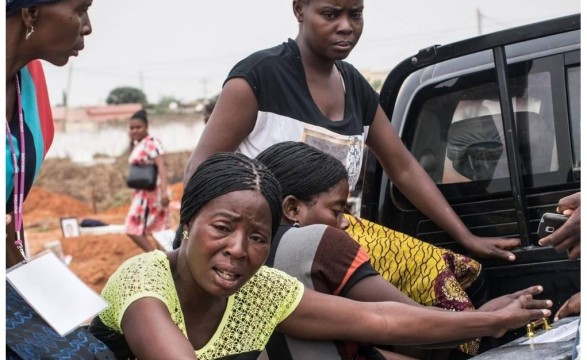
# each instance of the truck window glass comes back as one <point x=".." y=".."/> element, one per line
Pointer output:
<point x="574" y="96"/>
<point x="458" y="136"/>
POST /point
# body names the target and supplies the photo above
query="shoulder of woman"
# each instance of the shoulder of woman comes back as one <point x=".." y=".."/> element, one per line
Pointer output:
<point x="323" y="242"/>
<point x="317" y="231"/>
<point x="261" y="61"/>
<point x="145" y="262"/>
<point x="306" y="231"/>
<point x="152" y="143"/>
<point x="346" y="67"/>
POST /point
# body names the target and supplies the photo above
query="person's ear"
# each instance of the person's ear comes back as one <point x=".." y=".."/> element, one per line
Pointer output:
<point x="298" y="10"/>
<point x="29" y="16"/>
<point x="290" y="208"/>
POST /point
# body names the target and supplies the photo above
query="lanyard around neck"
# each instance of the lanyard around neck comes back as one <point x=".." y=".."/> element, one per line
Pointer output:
<point x="19" y="172"/>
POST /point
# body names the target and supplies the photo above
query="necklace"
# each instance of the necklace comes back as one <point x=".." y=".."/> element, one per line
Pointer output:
<point x="19" y="172"/>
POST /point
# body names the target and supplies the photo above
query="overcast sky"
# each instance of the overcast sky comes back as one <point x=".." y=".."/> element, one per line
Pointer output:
<point x="185" y="48"/>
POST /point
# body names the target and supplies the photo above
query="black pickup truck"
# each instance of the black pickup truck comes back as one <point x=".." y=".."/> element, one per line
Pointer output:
<point x="495" y="121"/>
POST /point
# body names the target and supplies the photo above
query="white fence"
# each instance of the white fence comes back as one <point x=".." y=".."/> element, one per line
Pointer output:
<point x="82" y="146"/>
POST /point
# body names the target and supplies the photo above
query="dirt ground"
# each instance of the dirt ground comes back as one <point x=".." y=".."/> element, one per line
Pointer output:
<point x="67" y="189"/>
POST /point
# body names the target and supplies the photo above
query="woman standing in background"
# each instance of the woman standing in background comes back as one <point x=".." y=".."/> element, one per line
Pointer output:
<point x="149" y="211"/>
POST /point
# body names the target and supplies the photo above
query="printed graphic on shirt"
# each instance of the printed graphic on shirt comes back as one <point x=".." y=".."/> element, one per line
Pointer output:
<point x="272" y="128"/>
<point x="347" y="149"/>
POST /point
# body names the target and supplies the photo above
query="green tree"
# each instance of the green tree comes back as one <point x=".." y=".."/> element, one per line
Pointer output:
<point x="165" y="101"/>
<point x="126" y="95"/>
<point x="376" y="84"/>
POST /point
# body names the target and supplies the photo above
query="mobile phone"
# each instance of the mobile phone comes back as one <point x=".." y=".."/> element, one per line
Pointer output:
<point x="549" y="223"/>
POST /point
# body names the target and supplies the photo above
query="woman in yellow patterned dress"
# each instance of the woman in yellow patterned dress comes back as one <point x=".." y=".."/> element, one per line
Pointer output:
<point x="430" y="275"/>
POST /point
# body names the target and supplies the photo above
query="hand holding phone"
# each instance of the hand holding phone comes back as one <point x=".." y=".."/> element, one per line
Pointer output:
<point x="549" y="223"/>
<point x="562" y="233"/>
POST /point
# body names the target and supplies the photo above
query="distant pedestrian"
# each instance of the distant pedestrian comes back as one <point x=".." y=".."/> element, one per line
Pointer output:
<point x="149" y="209"/>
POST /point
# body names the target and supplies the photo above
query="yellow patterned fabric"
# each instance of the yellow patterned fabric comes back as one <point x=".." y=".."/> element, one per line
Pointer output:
<point x="250" y="317"/>
<point x="428" y="274"/>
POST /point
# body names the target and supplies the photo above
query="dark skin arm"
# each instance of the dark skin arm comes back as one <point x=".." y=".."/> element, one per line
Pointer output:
<point x="505" y="300"/>
<point x="413" y="181"/>
<point x="376" y="288"/>
<point x="568" y="236"/>
<point x="571" y="307"/>
<point x="236" y="109"/>
<point x="162" y="169"/>
<point x="151" y="334"/>
<point x="326" y="317"/>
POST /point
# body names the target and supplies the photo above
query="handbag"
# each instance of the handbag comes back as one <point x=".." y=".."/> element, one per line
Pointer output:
<point x="142" y="176"/>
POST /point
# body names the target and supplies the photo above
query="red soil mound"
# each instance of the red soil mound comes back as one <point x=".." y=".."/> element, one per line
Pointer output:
<point x="42" y="205"/>
<point x="94" y="257"/>
<point x="67" y="189"/>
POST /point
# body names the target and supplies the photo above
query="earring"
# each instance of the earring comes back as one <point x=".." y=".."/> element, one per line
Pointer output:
<point x="296" y="224"/>
<point x="29" y="33"/>
<point x="185" y="235"/>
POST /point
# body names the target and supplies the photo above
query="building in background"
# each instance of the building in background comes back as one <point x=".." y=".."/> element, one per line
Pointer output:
<point x="91" y="118"/>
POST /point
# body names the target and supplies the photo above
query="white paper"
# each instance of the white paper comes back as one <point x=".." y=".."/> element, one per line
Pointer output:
<point x="557" y="334"/>
<point x="165" y="239"/>
<point x="62" y="299"/>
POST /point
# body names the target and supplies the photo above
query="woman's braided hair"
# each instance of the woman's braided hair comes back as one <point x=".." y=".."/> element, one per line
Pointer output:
<point x="142" y="116"/>
<point x="223" y="173"/>
<point x="302" y="170"/>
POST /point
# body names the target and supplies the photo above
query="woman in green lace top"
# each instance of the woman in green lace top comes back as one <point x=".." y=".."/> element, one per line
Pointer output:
<point x="212" y="298"/>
